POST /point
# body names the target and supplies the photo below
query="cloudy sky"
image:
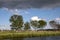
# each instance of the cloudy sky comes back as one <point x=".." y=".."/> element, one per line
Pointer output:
<point x="36" y="9"/>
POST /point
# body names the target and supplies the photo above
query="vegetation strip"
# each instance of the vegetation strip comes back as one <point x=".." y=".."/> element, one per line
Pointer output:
<point x="28" y="34"/>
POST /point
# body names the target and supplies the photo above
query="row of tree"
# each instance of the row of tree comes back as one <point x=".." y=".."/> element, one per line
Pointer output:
<point x="17" y="23"/>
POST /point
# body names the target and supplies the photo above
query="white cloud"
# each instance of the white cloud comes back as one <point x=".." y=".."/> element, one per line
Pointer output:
<point x="5" y="27"/>
<point x="24" y="12"/>
<point x="5" y="8"/>
<point x="16" y="11"/>
<point x="58" y="19"/>
<point x="36" y="18"/>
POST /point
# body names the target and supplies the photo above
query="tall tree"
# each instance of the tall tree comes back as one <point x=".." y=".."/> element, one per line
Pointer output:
<point x="27" y="26"/>
<point x="16" y="22"/>
<point x="54" y="24"/>
<point x="41" y="23"/>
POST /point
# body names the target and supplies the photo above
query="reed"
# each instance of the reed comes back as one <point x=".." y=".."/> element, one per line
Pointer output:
<point x="9" y="34"/>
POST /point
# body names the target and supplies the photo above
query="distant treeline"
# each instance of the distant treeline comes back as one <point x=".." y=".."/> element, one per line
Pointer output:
<point x="49" y="30"/>
<point x="34" y="30"/>
<point x="17" y="23"/>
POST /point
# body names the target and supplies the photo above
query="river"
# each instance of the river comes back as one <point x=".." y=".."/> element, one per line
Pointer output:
<point x="37" y="38"/>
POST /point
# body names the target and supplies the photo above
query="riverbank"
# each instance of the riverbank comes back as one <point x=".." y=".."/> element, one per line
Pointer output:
<point x="23" y="34"/>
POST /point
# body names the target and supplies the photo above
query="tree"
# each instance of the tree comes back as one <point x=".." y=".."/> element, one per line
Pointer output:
<point x="54" y="24"/>
<point x="38" y="24"/>
<point x="16" y="22"/>
<point x="34" y="23"/>
<point x="41" y="23"/>
<point x="27" y="26"/>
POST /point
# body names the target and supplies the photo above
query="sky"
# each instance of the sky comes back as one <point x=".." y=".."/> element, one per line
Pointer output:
<point x="47" y="10"/>
<point x="47" y="14"/>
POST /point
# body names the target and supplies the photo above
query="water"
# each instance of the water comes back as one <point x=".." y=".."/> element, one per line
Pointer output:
<point x="37" y="38"/>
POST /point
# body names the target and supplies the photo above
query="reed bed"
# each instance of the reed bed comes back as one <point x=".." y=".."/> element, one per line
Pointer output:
<point x="23" y="34"/>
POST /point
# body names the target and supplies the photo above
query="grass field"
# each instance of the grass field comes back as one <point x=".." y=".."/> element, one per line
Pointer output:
<point x="23" y="34"/>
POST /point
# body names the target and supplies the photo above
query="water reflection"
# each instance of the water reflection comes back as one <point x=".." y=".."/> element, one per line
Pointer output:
<point x="36" y="38"/>
<point x="13" y="39"/>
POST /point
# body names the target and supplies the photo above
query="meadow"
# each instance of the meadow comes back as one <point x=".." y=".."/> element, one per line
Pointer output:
<point x="24" y="34"/>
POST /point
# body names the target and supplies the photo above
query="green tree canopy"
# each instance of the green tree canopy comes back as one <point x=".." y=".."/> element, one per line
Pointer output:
<point x="34" y="23"/>
<point x="16" y="21"/>
<point x="27" y="26"/>
<point x="54" y="24"/>
<point x="41" y="23"/>
<point x="38" y="24"/>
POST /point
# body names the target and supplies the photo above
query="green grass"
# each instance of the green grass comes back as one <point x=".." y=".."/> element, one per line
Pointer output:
<point x="12" y="34"/>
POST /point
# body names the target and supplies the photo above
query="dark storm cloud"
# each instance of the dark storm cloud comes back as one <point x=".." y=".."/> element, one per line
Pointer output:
<point x="23" y="4"/>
